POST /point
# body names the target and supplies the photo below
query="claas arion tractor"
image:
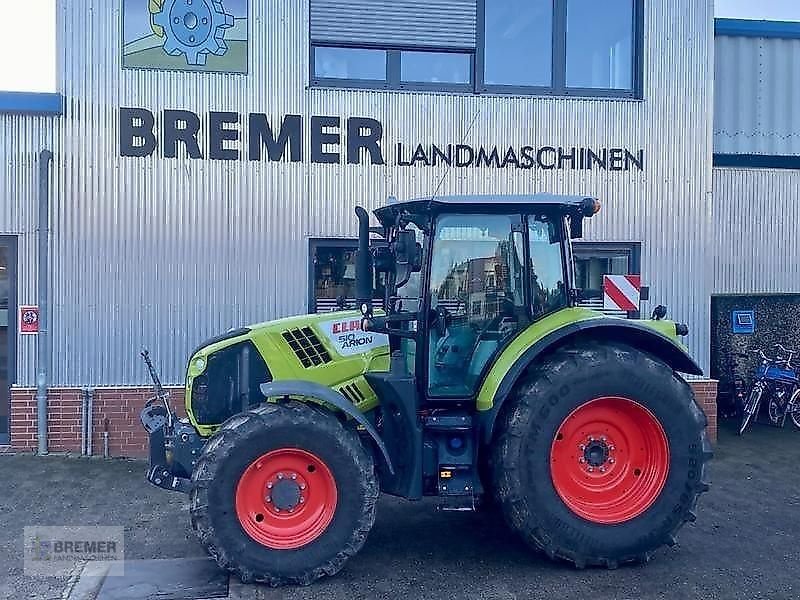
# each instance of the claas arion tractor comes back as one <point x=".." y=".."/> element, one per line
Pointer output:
<point x="466" y="370"/>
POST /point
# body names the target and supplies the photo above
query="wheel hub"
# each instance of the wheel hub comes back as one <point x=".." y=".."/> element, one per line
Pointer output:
<point x="597" y="453"/>
<point x="285" y="494"/>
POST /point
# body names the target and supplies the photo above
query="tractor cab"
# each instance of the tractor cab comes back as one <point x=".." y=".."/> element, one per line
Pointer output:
<point x="463" y="275"/>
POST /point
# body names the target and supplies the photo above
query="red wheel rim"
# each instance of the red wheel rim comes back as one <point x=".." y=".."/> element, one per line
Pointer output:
<point x="609" y="460"/>
<point x="286" y="498"/>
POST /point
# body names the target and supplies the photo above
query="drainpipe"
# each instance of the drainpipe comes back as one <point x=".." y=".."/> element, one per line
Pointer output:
<point x="90" y="413"/>
<point x="43" y="345"/>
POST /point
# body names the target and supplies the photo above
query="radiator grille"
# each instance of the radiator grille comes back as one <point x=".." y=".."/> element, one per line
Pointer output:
<point x="307" y="347"/>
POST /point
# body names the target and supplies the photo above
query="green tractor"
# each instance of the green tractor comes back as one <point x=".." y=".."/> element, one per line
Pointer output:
<point x="476" y="378"/>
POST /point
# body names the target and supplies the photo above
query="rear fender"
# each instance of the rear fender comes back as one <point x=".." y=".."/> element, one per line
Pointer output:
<point x="633" y="333"/>
<point x="325" y="395"/>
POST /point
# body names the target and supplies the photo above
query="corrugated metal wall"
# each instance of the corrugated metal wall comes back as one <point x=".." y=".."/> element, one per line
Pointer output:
<point x="757" y="231"/>
<point x="757" y="96"/>
<point x="21" y="140"/>
<point x="166" y="252"/>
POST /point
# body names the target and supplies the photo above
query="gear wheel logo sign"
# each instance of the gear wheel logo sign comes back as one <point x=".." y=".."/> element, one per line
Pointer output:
<point x="194" y="28"/>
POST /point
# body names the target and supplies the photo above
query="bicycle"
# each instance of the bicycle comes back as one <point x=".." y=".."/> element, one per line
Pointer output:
<point x="779" y="380"/>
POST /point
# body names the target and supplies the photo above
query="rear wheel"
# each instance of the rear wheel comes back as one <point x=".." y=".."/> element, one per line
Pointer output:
<point x="751" y="407"/>
<point x="283" y="494"/>
<point x="599" y="457"/>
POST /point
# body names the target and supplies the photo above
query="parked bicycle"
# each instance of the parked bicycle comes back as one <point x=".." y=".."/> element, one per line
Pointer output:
<point x="777" y="380"/>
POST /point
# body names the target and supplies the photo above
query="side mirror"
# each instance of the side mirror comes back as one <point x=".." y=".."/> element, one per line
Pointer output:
<point x="407" y="256"/>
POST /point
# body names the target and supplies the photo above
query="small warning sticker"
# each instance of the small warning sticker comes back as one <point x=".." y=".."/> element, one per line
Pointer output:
<point x="29" y="320"/>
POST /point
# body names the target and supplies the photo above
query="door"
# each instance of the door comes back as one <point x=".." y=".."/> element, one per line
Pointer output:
<point x="477" y="287"/>
<point x="8" y="264"/>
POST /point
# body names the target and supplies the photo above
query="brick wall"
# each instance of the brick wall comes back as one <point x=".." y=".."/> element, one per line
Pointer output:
<point x="121" y="407"/>
<point x="705" y="392"/>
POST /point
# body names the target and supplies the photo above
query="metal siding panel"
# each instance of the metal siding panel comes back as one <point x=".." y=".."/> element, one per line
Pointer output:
<point x="757" y="95"/>
<point x="167" y="252"/>
<point x="21" y="140"/>
<point x="429" y="23"/>
<point x="757" y="230"/>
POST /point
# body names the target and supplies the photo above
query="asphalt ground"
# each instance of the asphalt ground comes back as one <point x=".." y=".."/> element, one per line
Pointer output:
<point x="745" y="543"/>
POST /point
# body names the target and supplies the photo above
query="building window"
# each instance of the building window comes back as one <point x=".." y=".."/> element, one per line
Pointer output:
<point x="356" y="64"/>
<point x="332" y="275"/>
<point x="600" y="44"/>
<point x="536" y="47"/>
<point x="593" y="260"/>
<point x="518" y="44"/>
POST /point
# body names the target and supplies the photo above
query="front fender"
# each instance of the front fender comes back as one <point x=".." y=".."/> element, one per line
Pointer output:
<point x="316" y="391"/>
<point x="542" y="338"/>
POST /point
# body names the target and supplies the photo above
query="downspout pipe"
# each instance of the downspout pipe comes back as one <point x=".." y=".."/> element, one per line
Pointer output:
<point x="43" y="343"/>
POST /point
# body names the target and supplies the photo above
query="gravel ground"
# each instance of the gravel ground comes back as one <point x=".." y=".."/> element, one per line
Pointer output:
<point x="745" y="544"/>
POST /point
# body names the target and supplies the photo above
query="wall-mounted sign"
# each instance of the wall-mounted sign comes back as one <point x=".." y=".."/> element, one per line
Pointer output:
<point x="622" y="292"/>
<point x="743" y="321"/>
<point x="355" y="140"/>
<point x="29" y="320"/>
<point x="185" y="35"/>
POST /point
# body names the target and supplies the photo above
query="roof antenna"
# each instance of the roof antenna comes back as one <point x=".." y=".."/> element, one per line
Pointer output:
<point x="450" y="166"/>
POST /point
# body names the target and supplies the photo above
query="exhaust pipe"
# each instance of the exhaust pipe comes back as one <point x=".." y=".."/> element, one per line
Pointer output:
<point x="363" y="265"/>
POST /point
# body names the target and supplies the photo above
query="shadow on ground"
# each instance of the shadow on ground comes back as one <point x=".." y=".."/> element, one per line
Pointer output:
<point x="745" y="543"/>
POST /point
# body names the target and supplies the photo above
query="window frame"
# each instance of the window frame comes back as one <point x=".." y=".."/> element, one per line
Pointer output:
<point x="604" y="249"/>
<point x="558" y="84"/>
<point x="393" y="79"/>
<point x="477" y="86"/>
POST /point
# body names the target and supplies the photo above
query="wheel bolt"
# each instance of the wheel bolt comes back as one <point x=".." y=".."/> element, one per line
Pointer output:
<point x="294" y="475"/>
<point x="302" y="486"/>
<point x="269" y="485"/>
<point x="611" y="461"/>
<point x="590" y="469"/>
<point x="302" y="499"/>
<point x="258" y="465"/>
<point x="291" y="510"/>
<point x="582" y="447"/>
<point x="603" y="439"/>
<point x="280" y="475"/>
<point x="602" y="469"/>
<point x="269" y="498"/>
<point x="611" y="448"/>
<point x="581" y="460"/>
<point x="591" y="439"/>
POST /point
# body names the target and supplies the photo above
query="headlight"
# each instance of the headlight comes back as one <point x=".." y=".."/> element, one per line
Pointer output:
<point x="198" y="365"/>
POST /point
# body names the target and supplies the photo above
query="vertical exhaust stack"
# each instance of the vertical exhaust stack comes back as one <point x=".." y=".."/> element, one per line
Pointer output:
<point x="363" y="265"/>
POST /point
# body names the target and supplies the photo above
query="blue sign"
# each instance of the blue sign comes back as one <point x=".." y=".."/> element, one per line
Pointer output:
<point x="744" y="321"/>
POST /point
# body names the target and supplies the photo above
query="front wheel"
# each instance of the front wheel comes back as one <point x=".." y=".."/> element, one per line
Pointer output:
<point x="751" y="407"/>
<point x="283" y="494"/>
<point x="600" y="456"/>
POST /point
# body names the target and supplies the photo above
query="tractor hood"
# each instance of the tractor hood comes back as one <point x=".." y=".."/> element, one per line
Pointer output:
<point x="329" y="349"/>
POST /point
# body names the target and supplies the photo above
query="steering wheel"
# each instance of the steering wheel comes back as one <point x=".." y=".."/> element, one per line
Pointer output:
<point x="442" y="320"/>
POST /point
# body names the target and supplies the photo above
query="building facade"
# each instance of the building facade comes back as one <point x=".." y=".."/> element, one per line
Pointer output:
<point x="205" y="173"/>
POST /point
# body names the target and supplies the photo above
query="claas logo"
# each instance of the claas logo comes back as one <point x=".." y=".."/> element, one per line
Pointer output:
<point x="350" y="335"/>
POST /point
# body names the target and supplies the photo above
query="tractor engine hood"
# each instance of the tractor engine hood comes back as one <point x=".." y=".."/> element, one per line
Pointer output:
<point x="224" y="373"/>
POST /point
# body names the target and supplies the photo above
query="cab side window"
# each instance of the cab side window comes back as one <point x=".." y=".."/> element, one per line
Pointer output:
<point x="477" y="288"/>
<point x="546" y="268"/>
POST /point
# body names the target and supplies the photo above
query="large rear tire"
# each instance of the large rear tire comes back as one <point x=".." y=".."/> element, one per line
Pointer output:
<point x="283" y="494"/>
<point x="599" y="458"/>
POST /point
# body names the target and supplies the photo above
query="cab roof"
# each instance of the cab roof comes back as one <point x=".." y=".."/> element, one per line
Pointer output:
<point x="489" y="203"/>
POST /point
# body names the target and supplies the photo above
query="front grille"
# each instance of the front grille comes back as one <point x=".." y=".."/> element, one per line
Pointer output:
<point x="230" y="383"/>
<point x="307" y="347"/>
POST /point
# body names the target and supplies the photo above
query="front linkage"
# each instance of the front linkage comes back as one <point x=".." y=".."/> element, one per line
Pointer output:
<point x="174" y="443"/>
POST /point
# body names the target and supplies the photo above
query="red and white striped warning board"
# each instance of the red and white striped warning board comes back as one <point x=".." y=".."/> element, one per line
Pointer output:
<point x="622" y="292"/>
